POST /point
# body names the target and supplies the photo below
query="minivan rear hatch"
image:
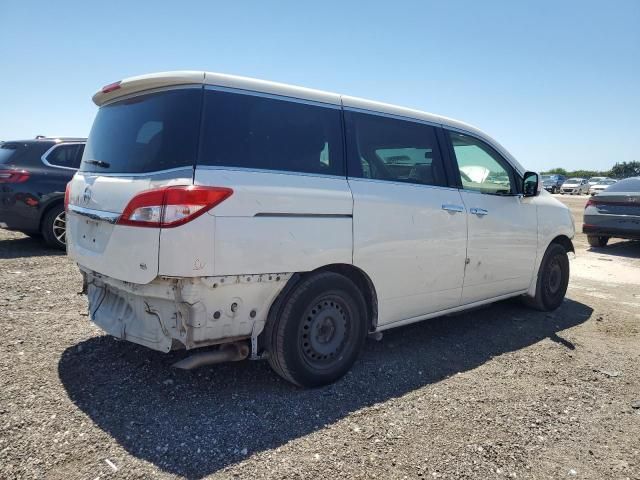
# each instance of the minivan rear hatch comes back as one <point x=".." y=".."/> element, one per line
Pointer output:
<point x="142" y="141"/>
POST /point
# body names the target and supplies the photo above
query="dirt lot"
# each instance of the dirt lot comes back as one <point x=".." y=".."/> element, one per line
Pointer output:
<point x="502" y="392"/>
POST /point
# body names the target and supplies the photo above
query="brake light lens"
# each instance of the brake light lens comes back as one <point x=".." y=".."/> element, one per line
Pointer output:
<point x="111" y="87"/>
<point x="590" y="203"/>
<point x="67" y="192"/>
<point x="14" y="176"/>
<point x="169" y="207"/>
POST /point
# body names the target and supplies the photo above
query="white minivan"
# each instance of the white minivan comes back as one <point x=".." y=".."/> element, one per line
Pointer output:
<point x="264" y="220"/>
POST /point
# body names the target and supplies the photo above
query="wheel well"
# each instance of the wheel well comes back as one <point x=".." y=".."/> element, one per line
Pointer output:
<point x="565" y="242"/>
<point x="50" y="205"/>
<point x="357" y="276"/>
<point x="364" y="284"/>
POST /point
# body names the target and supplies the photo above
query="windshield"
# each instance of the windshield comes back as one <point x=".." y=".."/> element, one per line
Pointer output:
<point x="146" y="133"/>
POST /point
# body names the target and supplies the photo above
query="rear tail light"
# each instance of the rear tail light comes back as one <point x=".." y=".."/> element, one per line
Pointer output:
<point x="590" y="203"/>
<point x="14" y="176"/>
<point x="67" y="192"/>
<point x="169" y="207"/>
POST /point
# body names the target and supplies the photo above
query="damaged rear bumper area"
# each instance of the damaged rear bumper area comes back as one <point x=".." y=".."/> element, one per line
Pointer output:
<point x="170" y="313"/>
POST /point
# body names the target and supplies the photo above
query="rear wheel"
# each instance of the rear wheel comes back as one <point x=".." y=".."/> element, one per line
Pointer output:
<point x="54" y="227"/>
<point x="317" y="335"/>
<point x="553" y="279"/>
<point x="596" y="241"/>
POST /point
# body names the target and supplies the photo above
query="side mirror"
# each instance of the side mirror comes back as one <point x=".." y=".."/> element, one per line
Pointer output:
<point x="531" y="184"/>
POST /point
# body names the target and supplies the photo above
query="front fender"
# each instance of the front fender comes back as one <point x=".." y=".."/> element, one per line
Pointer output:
<point x="555" y="224"/>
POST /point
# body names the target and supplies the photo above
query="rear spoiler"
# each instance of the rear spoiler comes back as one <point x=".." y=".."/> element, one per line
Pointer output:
<point x="141" y="83"/>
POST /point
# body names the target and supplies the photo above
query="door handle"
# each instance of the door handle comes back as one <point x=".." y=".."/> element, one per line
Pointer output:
<point x="453" y="208"/>
<point x="481" y="212"/>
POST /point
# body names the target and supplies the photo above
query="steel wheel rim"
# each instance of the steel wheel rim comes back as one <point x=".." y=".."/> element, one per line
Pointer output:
<point x="324" y="332"/>
<point x="554" y="277"/>
<point x="60" y="228"/>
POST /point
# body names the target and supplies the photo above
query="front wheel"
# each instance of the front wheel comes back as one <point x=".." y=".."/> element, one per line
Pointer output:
<point x="553" y="279"/>
<point x="595" y="241"/>
<point x="317" y="335"/>
<point x="54" y="227"/>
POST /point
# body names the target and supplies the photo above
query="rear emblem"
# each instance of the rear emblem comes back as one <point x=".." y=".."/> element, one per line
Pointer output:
<point x="86" y="196"/>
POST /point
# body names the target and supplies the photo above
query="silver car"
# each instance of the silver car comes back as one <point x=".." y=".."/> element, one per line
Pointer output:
<point x="613" y="213"/>
<point x="601" y="186"/>
<point x="573" y="186"/>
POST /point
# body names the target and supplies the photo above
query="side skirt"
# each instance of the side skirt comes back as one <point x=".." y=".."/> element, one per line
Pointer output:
<point x="440" y="313"/>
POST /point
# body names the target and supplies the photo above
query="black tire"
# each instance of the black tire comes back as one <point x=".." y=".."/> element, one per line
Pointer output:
<point x="596" y="241"/>
<point x="54" y="227"/>
<point x="554" y="189"/>
<point x="318" y="332"/>
<point x="553" y="280"/>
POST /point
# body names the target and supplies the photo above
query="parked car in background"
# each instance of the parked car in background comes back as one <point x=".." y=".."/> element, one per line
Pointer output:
<point x="214" y="210"/>
<point x="601" y="186"/>
<point x="595" y="180"/>
<point x="33" y="177"/>
<point x="614" y="212"/>
<point x="575" y="186"/>
<point x="552" y="183"/>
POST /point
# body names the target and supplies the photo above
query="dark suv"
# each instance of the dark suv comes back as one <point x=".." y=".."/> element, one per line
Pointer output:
<point x="33" y="177"/>
<point x="552" y="183"/>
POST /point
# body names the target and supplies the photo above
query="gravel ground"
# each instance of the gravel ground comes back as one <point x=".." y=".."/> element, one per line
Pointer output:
<point x="501" y="392"/>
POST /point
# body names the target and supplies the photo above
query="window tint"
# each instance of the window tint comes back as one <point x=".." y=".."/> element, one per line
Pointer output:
<point x="67" y="156"/>
<point x="481" y="168"/>
<point x="9" y="152"/>
<point x="145" y="133"/>
<point x="390" y="149"/>
<point x="19" y="153"/>
<point x="250" y="131"/>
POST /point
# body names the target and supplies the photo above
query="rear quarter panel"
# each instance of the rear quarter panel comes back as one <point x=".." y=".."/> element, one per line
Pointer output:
<point x="279" y="222"/>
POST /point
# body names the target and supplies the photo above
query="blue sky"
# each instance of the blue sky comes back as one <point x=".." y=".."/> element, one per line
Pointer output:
<point x="556" y="82"/>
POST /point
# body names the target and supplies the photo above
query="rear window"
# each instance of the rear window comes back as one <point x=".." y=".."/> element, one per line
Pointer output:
<point x="628" y="185"/>
<point x="10" y="152"/>
<point x="250" y="131"/>
<point x="146" y="133"/>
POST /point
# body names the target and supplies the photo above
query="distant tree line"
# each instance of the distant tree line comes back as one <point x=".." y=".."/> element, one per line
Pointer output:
<point x="619" y="170"/>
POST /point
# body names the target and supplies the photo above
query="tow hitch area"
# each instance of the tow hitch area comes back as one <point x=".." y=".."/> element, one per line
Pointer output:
<point x="230" y="352"/>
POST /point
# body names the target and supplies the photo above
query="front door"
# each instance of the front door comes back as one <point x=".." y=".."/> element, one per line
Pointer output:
<point x="502" y="225"/>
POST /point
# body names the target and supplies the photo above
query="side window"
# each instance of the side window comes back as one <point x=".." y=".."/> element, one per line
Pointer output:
<point x="251" y="131"/>
<point x="78" y="159"/>
<point x="481" y="168"/>
<point x="385" y="148"/>
<point x="65" y="156"/>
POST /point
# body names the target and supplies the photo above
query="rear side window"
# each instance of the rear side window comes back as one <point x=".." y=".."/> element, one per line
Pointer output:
<point x="249" y="131"/>
<point x="146" y="133"/>
<point x="67" y="156"/>
<point x="385" y="148"/>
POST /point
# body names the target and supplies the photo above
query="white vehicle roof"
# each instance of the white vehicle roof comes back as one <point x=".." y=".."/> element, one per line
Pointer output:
<point x="133" y="85"/>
